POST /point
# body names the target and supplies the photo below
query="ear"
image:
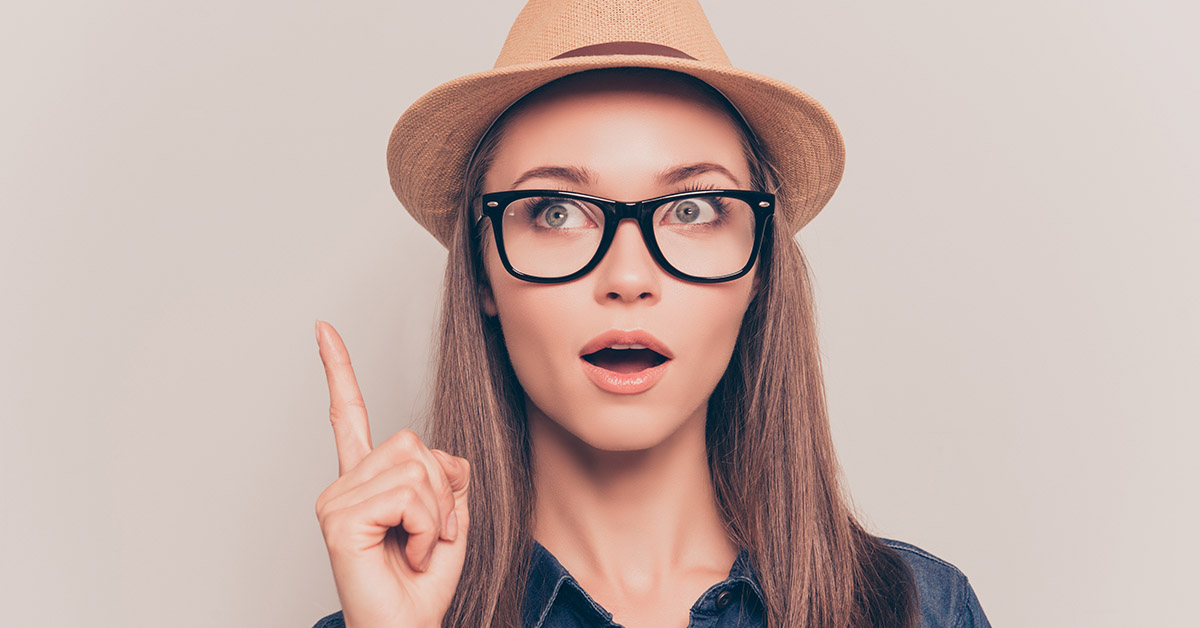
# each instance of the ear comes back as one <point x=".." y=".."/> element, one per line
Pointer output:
<point x="489" y="301"/>
<point x="483" y="285"/>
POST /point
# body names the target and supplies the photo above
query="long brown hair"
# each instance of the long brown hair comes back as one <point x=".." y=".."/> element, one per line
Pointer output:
<point x="771" y="457"/>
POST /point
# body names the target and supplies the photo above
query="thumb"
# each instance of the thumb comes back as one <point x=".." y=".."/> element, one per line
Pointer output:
<point x="458" y="470"/>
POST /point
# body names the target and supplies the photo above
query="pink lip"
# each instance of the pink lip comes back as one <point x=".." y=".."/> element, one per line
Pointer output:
<point x="631" y="337"/>
<point x="624" y="383"/>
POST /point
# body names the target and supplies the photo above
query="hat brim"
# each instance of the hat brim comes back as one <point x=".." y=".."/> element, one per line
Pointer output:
<point x="433" y="139"/>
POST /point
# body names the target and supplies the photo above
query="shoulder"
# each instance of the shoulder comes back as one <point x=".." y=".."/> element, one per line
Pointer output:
<point x="331" y="621"/>
<point x="944" y="594"/>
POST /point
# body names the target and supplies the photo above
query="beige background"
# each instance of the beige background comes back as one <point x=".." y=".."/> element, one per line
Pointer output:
<point x="1007" y="284"/>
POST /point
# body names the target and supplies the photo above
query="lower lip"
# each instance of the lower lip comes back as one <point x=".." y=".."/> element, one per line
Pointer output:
<point x="623" y="383"/>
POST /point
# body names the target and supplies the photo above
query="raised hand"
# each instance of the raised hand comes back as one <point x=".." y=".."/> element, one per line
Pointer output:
<point x="395" y="521"/>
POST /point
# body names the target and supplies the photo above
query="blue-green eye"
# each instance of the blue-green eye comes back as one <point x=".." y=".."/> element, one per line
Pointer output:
<point x="697" y="210"/>
<point x="556" y="212"/>
<point x="555" y="216"/>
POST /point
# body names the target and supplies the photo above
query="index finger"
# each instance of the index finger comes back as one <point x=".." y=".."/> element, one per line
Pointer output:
<point x="347" y="411"/>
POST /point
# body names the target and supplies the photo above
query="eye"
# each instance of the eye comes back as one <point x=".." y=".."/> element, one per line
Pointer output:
<point x="695" y="210"/>
<point x="557" y="213"/>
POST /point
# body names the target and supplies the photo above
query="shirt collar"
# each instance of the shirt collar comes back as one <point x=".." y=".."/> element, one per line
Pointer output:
<point x="550" y="582"/>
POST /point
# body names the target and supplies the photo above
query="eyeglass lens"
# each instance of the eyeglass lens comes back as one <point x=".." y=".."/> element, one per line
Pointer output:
<point x="704" y="235"/>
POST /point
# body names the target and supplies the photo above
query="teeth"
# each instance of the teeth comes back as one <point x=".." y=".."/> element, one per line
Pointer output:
<point x="627" y="347"/>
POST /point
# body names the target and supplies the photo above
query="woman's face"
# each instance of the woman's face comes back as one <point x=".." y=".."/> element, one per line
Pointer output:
<point x="625" y="134"/>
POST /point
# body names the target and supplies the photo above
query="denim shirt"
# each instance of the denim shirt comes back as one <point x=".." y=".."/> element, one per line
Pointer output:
<point x="554" y="599"/>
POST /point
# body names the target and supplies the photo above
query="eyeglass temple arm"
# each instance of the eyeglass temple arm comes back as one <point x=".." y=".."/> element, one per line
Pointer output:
<point x="477" y="205"/>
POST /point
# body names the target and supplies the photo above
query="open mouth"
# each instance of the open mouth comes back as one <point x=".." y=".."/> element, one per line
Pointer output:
<point x="632" y="360"/>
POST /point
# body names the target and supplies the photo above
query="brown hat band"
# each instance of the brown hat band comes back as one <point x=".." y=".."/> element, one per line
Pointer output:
<point x="434" y="142"/>
<point x="625" y="48"/>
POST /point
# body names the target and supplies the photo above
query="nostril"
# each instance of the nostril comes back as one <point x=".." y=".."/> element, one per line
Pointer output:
<point x="616" y="296"/>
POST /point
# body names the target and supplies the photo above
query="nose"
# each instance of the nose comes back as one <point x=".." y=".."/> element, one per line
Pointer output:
<point x="628" y="273"/>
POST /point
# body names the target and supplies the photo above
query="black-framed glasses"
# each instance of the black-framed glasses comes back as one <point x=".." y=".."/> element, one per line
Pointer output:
<point x="553" y="236"/>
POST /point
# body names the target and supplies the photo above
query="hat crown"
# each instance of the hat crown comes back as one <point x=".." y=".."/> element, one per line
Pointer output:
<point x="546" y="29"/>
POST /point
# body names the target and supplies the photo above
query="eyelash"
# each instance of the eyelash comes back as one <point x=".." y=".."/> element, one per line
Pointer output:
<point x="695" y="187"/>
<point x="691" y="187"/>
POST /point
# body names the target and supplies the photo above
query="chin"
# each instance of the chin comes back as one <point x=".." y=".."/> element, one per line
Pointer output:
<point x="622" y="428"/>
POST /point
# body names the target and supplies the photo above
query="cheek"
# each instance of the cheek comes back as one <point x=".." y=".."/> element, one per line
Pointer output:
<point x="708" y="326"/>
<point x="536" y="320"/>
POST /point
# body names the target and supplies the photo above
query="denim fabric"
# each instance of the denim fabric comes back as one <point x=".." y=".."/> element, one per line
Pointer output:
<point x="554" y="599"/>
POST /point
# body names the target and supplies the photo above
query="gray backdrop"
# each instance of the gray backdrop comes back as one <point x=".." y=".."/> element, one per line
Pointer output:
<point x="1006" y="281"/>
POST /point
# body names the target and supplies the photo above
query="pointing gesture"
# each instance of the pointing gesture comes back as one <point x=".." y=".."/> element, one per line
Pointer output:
<point x="395" y="521"/>
<point x="347" y="411"/>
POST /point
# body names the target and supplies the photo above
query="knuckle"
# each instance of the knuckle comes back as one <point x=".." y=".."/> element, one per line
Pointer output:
<point x="405" y="495"/>
<point x="411" y="471"/>
<point x="325" y="504"/>
<point x="324" y="498"/>
<point x="349" y="408"/>
<point x="408" y="439"/>
<point x="337" y="414"/>
<point x="333" y="527"/>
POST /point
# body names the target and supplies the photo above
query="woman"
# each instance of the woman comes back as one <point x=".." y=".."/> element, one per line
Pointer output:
<point x="630" y="427"/>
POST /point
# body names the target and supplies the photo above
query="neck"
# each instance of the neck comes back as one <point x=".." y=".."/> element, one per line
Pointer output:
<point x="628" y="521"/>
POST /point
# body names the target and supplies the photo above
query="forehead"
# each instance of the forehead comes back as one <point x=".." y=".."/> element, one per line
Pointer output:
<point x="622" y="128"/>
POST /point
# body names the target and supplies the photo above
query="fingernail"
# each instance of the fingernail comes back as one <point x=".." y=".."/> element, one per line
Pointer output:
<point x="452" y="526"/>
<point x="317" y="329"/>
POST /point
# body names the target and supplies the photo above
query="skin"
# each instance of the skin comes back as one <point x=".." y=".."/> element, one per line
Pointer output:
<point x="389" y="509"/>
<point x="625" y="501"/>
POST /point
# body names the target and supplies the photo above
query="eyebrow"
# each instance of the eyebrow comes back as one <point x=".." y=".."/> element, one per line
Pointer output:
<point x="583" y="176"/>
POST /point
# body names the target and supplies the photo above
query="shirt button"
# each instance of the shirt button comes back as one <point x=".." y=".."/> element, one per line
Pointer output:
<point x="724" y="598"/>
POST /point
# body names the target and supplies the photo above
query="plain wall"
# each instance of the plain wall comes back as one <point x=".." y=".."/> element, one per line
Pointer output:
<point x="1007" y="285"/>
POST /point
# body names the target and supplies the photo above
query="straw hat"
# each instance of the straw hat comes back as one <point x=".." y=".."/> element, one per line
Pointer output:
<point x="434" y="140"/>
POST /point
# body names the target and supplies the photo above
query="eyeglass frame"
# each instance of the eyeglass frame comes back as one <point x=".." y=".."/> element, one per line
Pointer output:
<point x="493" y="204"/>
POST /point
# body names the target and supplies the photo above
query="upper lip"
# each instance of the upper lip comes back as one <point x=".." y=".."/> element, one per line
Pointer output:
<point x="630" y="337"/>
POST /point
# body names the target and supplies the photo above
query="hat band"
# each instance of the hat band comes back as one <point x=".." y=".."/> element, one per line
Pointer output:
<point x="625" y="48"/>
